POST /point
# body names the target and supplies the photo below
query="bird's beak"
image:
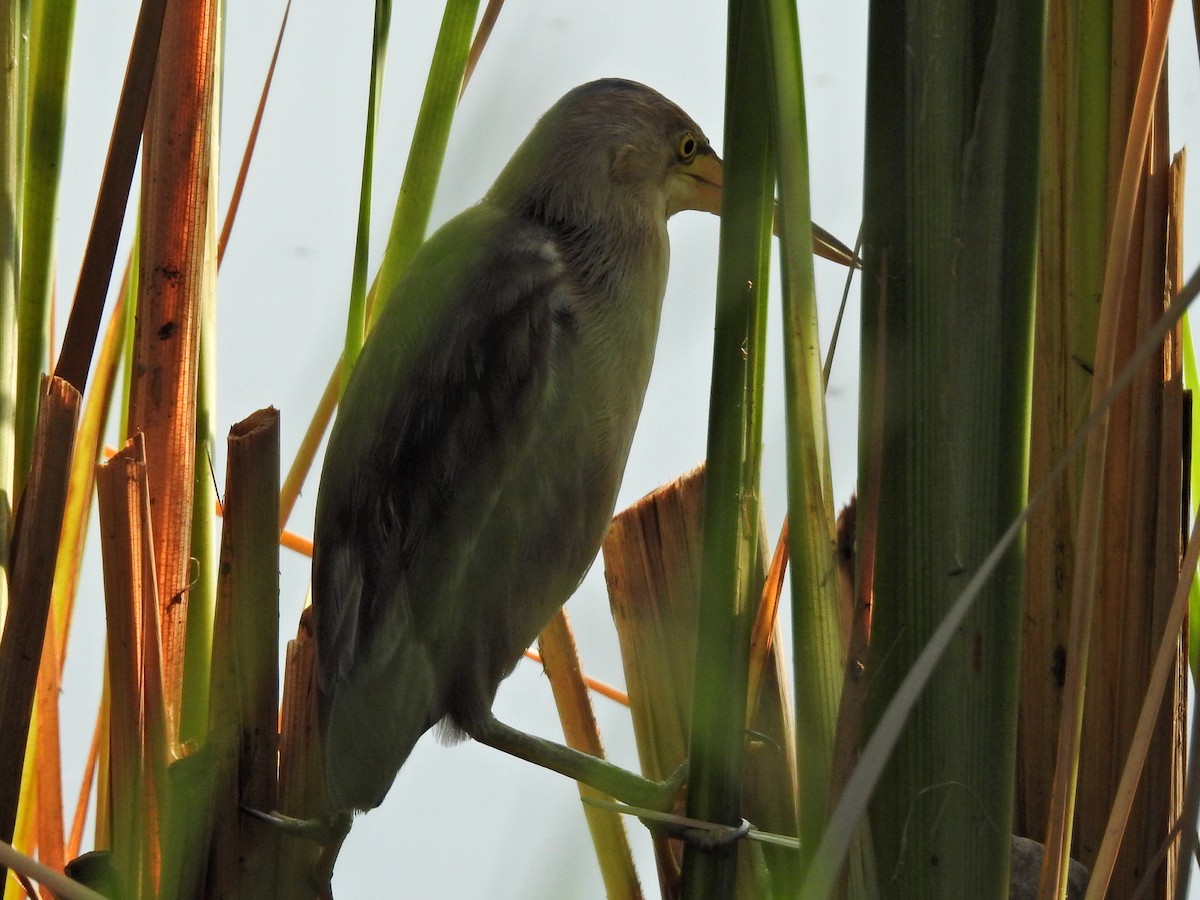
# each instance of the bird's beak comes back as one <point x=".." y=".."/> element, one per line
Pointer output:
<point x="702" y="191"/>
<point x="827" y="246"/>
<point x="705" y="178"/>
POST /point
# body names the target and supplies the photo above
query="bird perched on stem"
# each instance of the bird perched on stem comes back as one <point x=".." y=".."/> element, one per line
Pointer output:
<point x="475" y="461"/>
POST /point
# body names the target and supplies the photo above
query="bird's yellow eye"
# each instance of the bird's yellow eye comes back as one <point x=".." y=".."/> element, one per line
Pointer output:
<point x="685" y="151"/>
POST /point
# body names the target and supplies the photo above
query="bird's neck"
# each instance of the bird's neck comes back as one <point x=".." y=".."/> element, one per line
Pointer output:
<point x="602" y="253"/>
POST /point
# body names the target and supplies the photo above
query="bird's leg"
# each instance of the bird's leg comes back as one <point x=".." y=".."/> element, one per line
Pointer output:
<point x="600" y="774"/>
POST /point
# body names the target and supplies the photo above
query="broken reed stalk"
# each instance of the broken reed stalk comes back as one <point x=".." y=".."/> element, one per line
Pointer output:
<point x="131" y="605"/>
<point x="301" y="781"/>
<point x="244" y="711"/>
<point x="76" y="518"/>
<point x="652" y="566"/>
<point x="34" y="548"/>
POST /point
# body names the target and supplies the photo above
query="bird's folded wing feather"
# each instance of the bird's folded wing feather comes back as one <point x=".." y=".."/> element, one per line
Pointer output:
<point x="437" y="412"/>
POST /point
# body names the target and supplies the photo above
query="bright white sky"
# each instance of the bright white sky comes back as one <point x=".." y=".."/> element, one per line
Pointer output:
<point x="467" y="822"/>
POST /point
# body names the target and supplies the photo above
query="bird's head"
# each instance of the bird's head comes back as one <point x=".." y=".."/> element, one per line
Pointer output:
<point x="611" y="150"/>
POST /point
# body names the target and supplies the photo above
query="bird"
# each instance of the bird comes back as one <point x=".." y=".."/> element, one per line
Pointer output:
<point x="473" y="467"/>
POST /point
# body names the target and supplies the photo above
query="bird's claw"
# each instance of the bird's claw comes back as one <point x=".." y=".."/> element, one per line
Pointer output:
<point x="710" y="837"/>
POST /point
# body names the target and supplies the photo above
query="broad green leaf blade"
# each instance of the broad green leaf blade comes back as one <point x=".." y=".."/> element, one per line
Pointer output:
<point x="356" y="319"/>
<point x="950" y="237"/>
<point x="11" y="95"/>
<point x="428" y="150"/>
<point x="50" y="31"/>
<point x="731" y="497"/>
<point x="835" y="842"/>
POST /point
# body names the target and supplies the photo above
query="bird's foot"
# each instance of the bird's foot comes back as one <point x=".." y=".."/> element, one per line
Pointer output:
<point x="705" y="836"/>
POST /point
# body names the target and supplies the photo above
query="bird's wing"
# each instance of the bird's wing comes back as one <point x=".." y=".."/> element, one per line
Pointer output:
<point x="434" y="415"/>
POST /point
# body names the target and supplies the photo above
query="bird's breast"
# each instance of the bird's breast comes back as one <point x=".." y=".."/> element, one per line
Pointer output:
<point x="557" y="506"/>
<point x="605" y="373"/>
